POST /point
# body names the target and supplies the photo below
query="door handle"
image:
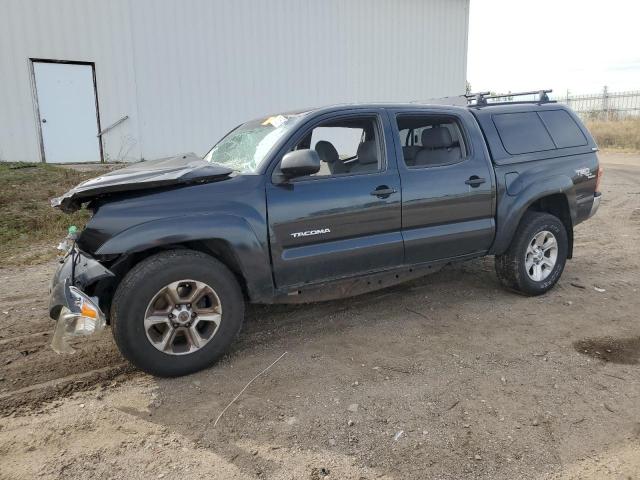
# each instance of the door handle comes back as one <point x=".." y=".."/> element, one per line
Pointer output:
<point x="44" y="120"/>
<point x="383" y="191"/>
<point x="475" y="181"/>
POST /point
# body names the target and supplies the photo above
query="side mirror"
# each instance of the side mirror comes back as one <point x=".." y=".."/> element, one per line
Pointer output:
<point x="300" y="163"/>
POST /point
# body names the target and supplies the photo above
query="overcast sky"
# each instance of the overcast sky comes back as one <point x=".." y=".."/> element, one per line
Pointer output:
<point x="580" y="45"/>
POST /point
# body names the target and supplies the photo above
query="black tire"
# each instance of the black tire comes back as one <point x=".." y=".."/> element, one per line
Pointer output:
<point x="144" y="281"/>
<point x="510" y="266"/>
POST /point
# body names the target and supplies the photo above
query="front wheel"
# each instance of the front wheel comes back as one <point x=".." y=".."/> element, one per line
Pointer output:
<point x="537" y="255"/>
<point x="176" y="312"/>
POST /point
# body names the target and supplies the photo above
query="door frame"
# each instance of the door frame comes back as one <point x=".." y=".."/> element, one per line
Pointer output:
<point x="34" y="89"/>
<point x="389" y="165"/>
<point x="475" y="150"/>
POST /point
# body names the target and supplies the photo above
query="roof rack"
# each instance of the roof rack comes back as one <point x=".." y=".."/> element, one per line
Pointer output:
<point x="480" y="98"/>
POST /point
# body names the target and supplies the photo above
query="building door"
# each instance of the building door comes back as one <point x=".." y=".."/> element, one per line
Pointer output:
<point x="68" y="113"/>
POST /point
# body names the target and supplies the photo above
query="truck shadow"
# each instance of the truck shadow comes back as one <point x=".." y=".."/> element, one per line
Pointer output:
<point x="625" y="351"/>
<point x="465" y="281"/>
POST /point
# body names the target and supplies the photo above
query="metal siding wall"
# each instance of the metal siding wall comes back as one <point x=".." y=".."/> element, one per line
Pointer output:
<point x="188" y="71"/>
<point x="77" y="30"/>
<point x="207" y="66"/>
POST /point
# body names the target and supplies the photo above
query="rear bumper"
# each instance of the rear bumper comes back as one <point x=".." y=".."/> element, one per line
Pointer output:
<point x="596" y="204"/>
<point x="76" y="314"/>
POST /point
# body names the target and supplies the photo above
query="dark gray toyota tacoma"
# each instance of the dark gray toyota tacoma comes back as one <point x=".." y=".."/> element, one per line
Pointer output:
<point x="315" y="205"/>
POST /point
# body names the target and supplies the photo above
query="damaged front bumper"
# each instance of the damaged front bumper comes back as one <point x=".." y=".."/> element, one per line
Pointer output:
<point x="76" y="313"/>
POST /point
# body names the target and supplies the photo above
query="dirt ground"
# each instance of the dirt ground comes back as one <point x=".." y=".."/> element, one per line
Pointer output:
<point x="444" y="377"/>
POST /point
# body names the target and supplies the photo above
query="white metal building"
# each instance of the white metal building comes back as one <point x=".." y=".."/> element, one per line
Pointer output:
<point x="183" y="72"/>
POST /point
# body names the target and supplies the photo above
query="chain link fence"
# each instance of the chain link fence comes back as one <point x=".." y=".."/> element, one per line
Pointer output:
<point x="605" y="105"/>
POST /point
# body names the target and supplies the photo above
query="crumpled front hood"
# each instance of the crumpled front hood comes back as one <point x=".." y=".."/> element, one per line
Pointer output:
<point x="181" y="169"/>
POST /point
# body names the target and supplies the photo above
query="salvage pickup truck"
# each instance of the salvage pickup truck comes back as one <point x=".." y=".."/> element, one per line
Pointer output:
<point x="320" y="204"/>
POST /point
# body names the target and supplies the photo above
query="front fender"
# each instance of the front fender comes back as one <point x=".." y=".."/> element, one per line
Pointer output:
<point x="523" y="193"/>
<point x="251" y="255"/>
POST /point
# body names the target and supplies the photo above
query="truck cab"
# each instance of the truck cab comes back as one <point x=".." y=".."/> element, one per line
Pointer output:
<point x="370" y="207"/>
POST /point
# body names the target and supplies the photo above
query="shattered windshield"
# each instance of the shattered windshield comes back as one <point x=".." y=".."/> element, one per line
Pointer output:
<point x="246" y="148"/>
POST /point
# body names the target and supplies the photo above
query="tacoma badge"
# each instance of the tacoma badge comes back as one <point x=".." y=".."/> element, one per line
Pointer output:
<point x="310" y="232"/>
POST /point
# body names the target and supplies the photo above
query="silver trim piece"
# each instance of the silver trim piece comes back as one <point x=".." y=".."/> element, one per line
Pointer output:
<point x="596" y="204"/>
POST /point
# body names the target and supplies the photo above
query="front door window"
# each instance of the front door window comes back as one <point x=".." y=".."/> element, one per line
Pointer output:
<point x="345" y="146"/>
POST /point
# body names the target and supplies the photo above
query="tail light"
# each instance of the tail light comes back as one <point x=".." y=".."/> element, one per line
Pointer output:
<point x="599" y="178"/>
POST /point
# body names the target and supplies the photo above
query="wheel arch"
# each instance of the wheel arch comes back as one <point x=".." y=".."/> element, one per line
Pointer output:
<point x="557" y="205"/>
<point x="555" y="196"/>
<point x="229" y="239"/>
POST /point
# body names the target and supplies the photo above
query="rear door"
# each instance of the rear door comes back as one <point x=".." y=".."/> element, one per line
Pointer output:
<point x="346" y="219"/>
<point x="448" y="185"/>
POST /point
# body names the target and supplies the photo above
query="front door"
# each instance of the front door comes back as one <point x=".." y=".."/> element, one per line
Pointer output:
<point x="345" y="220"/>
<point x="448" y="190"/>
<point x="68" y="112"/>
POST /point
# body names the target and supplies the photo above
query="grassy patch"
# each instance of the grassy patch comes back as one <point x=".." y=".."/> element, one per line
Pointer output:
<point x="29" y="227"/>
<point x="616" y="134"/>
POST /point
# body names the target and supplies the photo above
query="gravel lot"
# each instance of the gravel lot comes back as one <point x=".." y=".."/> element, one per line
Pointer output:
<point x="448" y="376"/>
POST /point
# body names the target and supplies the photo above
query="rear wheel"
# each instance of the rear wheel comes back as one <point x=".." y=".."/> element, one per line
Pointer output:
<point x="176" y="312"/>
<point x="537" y="255"/>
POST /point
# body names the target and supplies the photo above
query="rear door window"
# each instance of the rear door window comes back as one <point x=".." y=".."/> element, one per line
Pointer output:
<point x="522" y="132"/>
<point x="430" y="140"/>
<point x="563" y="129"/>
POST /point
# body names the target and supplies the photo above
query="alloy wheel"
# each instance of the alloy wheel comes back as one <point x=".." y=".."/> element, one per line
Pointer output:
<point x="182" y="317"/>
<point x="541" y="256"/>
